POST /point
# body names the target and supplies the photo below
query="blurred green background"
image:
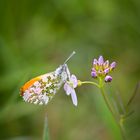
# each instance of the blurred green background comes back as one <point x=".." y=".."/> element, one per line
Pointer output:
<point x="36" y="36"/>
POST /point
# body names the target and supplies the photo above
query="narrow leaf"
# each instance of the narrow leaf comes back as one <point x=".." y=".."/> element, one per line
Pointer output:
<point x="129" y="114"/>
<point x="120" y="101"/>
<point x="46" y="130"/>
<point x="133" y="95"/>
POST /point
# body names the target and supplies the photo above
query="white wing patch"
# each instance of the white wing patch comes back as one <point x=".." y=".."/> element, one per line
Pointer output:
<point x="43" y="90"/>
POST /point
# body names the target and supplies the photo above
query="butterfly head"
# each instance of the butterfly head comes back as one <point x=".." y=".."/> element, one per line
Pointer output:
<point x="63" y="72"/>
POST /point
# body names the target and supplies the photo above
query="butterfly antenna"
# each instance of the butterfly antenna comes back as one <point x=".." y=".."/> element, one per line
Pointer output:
<point x="69" y="57"/>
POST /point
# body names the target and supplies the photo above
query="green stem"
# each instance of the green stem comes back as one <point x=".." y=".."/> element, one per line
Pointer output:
<point x="89" y="82"/>
<point x="119" y="123"/>
<point x="108" y="103"/>
<point x="109" y="106"/>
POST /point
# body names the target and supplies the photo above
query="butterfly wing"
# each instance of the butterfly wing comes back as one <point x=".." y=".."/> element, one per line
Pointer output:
<point x="41" y="89"/>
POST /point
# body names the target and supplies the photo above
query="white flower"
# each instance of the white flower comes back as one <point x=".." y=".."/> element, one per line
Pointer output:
<point x="70" y="86"/>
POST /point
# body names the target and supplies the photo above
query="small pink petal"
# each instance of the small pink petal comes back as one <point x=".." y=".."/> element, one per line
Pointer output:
<point x="113" y="65"/>
<point x="73" y="79"/>
<point x="93" y="69"/>
<point x="95" y="62"/>
<point x="74" y="97"/>
<point x="101" y="60"/>
<point x="67" y="88"/>
<point x="106" y="63"/>
<point x="106" y="71"/>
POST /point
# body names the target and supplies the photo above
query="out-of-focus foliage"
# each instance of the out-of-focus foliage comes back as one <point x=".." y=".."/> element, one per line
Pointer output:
<point x="37" y="35"/>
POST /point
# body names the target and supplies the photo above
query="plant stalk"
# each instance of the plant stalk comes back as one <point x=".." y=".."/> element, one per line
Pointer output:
<point x="109" y="106"/>
<point x="89" y="82"/>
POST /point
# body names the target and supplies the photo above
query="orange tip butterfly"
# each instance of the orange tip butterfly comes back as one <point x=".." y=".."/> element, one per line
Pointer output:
<point x="41" y="89"/>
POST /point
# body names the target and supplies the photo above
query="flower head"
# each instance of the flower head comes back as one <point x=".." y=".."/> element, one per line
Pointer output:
<point x="70" y="86"/>
<point x="102" y="68"/>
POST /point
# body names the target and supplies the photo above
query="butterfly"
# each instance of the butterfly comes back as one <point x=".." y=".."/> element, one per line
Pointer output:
<point x="41" y="89"/>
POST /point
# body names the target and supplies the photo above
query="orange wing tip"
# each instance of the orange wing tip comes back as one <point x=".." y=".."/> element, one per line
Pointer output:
<point x="28" y="84"/>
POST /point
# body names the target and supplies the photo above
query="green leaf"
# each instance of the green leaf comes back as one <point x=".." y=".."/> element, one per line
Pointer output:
<point x="133" y="95"/>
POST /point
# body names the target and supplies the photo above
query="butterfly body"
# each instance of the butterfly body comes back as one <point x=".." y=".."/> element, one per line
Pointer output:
<point x="41" y="89"/>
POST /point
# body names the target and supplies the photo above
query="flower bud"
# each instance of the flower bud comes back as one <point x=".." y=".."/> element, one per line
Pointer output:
<point x="112" y="65"/>
<point x="93" y="74"/>
<point x="108" y="78"/>
<point x="95" y="62"/>
<point x="106" y="64"/>
<point x="101" y="60"/>
<point x="106" y="71"/>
